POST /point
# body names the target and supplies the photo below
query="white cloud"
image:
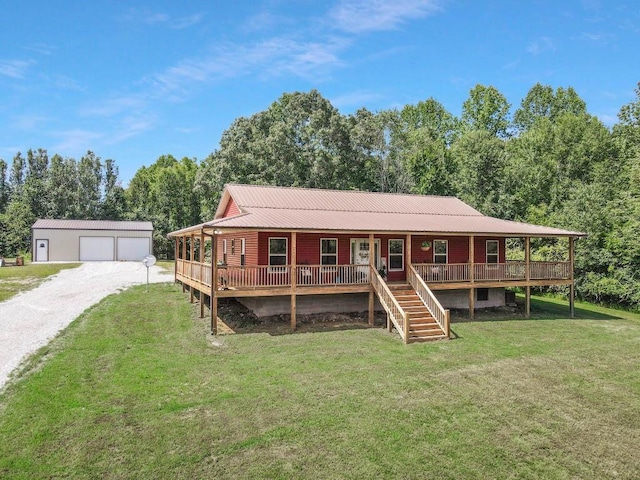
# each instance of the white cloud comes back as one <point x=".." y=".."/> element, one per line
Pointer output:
<point x="358" y="16"/>
<point x="185" y="22"/>
<point x="268" y="58"/>
<point x="113" y="106"/>
<point x="75" y="141"/>
<point x="163" y="19"/>
<point x="131" y="126"/>
<point x="14" y="68"/>
<point x="544" y="44"/>
<point x="29" y="122"/>
<point x="41" y="48"/>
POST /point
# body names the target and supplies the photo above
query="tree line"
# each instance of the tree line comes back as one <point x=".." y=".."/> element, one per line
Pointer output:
<point x="548" y="161"/>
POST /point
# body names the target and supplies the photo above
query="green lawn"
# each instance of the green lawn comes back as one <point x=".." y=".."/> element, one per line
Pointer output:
<point x="136" y="388"/>
<point x="14" y="280"/>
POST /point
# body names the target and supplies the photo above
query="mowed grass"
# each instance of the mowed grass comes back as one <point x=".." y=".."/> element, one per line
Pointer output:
<point x="14" y="280"/>
<point x="137" y="388"/>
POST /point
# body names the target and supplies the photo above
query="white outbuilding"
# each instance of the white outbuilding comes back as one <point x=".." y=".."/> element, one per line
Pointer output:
<point x="90" y="240"/>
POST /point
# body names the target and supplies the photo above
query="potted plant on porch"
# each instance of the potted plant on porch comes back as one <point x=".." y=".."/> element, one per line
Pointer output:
<point x="426" y="245"/>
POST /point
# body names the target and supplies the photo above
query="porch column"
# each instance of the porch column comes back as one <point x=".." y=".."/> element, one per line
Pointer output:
<point x="184" y="257"/>
<point x="372" y="265"/>
<point x="527" y="271"/>
<point x="191" y="259"/>
<point x="408" y="255"/>
<point x="294" y="277"/>
<point x="213" y="298"/>
<point x="176" y="252"/>
<point x="572" y="286"/>
<point x="201" y="260"/>
<point x="472" y="290"/>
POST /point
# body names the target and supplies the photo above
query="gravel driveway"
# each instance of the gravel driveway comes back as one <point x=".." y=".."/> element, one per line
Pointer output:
<point x="30" y="320"/>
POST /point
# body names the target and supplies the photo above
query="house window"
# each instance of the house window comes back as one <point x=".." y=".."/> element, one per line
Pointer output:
<point x="440" y="251"/>
<point x="328" y="251"/>
<point x="277" y="251"/>
<point x="233" y="246"/>
<point x="492" y="251"/>
<point x="482" y="294"/>
<point x="396" y="254"/>
<point x="243" y="247"/>
<point x="224" y="251"/>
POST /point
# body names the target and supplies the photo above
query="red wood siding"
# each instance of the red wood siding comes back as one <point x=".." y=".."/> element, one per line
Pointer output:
<point x="480" y="249"/>
<point x="308" y="248"/>
<point x="233" y="255"/>
<point x="458" y="249"/>
<point x="231" y="209"/>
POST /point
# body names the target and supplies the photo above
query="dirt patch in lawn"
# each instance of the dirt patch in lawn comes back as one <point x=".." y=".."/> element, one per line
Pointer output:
<point x="242" y="320"/>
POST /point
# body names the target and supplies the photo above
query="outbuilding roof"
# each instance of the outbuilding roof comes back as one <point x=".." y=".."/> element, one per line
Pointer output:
<point x="286" y="208"/>
<point x="64" y="224"/>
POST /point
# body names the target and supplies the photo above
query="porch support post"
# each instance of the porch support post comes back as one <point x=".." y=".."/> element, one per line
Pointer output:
<point x="527" y="270"/>
<point x="372" y="265"/>
<point x="472" y="290"/>
<point x="213" y="298"/>
<point x="201" y="260"/>
<point x="184" y="257"/>
<point x="176" y="252"/>
<point x="294" y="277"/>
<point x="191" y="259"/>
<point x="572" y="286"/>
<point x="408" y="254"/>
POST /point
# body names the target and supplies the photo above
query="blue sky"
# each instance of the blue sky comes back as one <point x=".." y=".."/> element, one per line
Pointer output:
<point x="138" y="79"/>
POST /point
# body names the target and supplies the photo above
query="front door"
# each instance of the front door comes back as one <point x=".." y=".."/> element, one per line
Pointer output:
<point x="42" y="250"/>
<point x="360" y="253"/>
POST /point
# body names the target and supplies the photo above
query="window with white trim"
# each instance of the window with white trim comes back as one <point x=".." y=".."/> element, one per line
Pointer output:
<point x="328" y="251"/>
<point x="492" y="251"/>
<point x="440" y="251"/>
<point x="233" y="246"/>
<point x="277" y="251"/>
<point x="243" y="251"/>
<point x="224" y="251"/>
<point x="396" y="254"/>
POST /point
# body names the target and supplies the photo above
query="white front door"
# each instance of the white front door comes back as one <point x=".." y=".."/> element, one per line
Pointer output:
<point x="42" y="250"/>
<point x="360" y="251"/>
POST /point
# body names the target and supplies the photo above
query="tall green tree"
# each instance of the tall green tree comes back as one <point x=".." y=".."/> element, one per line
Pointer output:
<point x="300" y="140"/>
<point x="542" y="102"/>
<point x="5" y="189"/>
<point x="487" y="109"/>
<point x="89" y="186"/>
<point x="480" y="160"/>
<point x="422" y="139"/>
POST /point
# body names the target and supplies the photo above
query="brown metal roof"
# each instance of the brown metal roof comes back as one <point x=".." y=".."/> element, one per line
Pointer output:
<point x="283" y="208"/>
<point x="261" y="196"/>
<point x="290" y="219"/>
<point x="51" y="224"/>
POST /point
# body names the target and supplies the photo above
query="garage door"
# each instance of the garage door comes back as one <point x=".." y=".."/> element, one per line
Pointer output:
<point x="133" y="249"/>
<point x="96" y="249"/>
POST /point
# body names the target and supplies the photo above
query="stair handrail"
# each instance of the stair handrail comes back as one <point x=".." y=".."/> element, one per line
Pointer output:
<point x="438" y="312"/>
<point x="383" y="292"/>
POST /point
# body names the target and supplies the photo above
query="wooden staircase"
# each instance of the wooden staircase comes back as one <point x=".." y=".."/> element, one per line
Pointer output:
<point x="422" y="326"/>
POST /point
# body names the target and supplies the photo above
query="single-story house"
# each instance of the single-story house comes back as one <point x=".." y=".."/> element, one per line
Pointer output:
<point x="297" y="250"/>
<point x="90" y="240"/>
